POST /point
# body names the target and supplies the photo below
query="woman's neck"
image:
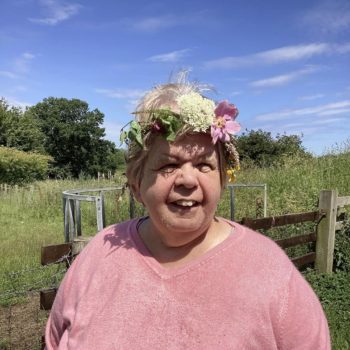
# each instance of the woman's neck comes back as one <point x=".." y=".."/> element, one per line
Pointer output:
<point x="176" y="254"/>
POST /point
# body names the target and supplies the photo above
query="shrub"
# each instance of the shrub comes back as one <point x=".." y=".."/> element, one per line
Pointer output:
<point x="341" y="261"/>
<point x="333" y="292"/>
<point x="18" y="167"/>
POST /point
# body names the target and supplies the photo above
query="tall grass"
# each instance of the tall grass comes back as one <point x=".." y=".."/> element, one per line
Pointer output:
<point x="32" y="216"/>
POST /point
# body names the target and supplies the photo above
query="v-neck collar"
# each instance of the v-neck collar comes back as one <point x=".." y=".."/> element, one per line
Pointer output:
<point x="171" y="272"/>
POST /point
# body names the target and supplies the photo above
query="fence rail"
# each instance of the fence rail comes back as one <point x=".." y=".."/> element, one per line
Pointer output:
<point x="291" y="219"/>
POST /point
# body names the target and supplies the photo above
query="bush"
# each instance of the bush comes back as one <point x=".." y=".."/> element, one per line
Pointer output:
<point x="333" y="292"/>
<point x="341" y="261"/>
<point x="17" y="167"/>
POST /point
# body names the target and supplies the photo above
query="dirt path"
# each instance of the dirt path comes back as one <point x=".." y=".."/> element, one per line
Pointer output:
<point x="21" y="326"/>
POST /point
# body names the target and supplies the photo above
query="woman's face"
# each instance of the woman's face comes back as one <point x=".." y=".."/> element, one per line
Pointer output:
<point x="181" y="188"/>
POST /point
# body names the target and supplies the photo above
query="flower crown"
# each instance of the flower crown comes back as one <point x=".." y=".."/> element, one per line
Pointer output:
<point x="196" y="114"/>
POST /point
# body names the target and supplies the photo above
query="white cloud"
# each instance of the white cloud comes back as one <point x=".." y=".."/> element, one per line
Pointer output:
<point x="173" y="56"/>
<point x="323" y="110"/>
<point x="282" y="79"/>
<point x="8" y="74"/>
<point x="56" y="12"/>
<point x="328" y="16"/>
<point x="152" y="24"/>
<point x="21" y="63"/>
<point x="311" y="97"/>
<point x="13" y="101"/>
<point x="335" y="111"/>
<point x="320" y="122"/>
<point x="292" y="53"/>
<point x="279" y="55"/>
<point x="161" y="22"/>
<point x="121" y="93"/>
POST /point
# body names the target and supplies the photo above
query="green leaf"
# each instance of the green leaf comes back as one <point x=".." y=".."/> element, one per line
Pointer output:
<point x="123" y="136"/>
<point x="134" y="134"/>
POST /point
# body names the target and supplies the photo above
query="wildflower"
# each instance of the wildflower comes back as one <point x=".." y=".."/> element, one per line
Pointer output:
<point x="231" y="175"/>
<point x="224" y="124"/>
<point x="197" y="111"/>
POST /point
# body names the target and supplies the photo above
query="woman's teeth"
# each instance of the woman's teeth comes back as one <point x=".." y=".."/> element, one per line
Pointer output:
<point x="185" y="203"/>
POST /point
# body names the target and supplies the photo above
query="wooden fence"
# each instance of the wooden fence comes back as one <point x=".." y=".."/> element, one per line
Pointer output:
<point x="333" y="207"/>
<point x="323" y="234"/>
<point x="291" y="219"/>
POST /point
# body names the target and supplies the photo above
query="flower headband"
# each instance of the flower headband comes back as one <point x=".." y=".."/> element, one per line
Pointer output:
<point x="196" y="114"/>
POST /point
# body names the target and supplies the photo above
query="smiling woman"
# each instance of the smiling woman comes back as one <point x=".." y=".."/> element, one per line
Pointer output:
<point x="181" y="277"/>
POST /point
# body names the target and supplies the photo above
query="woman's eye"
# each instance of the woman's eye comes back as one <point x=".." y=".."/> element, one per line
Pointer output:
<point x="168" y="168"/>
<point x="204" y="167"/>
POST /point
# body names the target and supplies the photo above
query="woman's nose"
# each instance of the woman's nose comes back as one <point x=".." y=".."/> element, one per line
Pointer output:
<point x="187" y="177"/>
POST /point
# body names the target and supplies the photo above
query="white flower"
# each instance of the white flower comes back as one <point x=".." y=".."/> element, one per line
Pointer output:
<point x="197" y="111"/>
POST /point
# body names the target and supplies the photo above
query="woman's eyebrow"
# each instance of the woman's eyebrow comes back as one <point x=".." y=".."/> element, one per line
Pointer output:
<point x="168" y="156"/>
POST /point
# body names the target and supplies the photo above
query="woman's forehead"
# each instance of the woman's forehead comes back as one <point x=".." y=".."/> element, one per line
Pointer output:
<point x="194" y="145"/>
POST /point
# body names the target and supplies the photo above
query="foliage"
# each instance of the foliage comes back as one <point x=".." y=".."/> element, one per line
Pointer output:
<point x="19" y="129"/>
<point x="74" y="137"/>
<point x="261" y="149"/>
<point x="33" y="217"/>
<point x="333" y="292"/>
<point x="17" y="167"/>
<point x="342" y="249"/>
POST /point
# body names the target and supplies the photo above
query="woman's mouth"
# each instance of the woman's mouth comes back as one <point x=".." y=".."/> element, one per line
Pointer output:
<point x="185" y="203"/>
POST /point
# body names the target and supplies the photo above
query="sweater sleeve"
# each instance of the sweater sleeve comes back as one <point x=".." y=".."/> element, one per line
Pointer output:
<point x="303" y="324"/>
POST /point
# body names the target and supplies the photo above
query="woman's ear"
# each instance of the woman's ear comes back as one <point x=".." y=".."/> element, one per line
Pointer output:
<point x="135" y="188"/>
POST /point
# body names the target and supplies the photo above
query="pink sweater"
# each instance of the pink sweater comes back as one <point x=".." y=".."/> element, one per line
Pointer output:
<point x="243" y="294"/>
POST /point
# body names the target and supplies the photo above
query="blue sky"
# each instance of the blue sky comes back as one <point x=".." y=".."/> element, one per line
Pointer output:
<point x="285" y="64"/>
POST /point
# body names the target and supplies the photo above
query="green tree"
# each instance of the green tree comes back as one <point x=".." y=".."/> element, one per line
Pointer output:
<point x="73" y="136"/>
<point x="260" y="148"/>
<point x="19" y="129"/>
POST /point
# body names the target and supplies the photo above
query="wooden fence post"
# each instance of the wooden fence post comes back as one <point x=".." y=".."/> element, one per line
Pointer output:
<point x="79" y="244"/>
<point x="326" y="231"/>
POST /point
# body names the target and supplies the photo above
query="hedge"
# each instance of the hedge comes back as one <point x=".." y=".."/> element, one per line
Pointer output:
<point x="18" y="167"/>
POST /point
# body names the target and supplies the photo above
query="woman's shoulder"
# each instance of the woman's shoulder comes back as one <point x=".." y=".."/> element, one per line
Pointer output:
<point x="257" y="251"/>
<point x="114" y="236"/>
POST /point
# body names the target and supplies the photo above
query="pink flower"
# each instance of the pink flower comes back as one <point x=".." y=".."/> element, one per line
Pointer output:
<point x="224" y="124"/>
<point x="156" y="127"/>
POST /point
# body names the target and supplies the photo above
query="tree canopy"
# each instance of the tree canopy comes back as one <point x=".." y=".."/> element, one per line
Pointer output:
<point x="19" y="129"/>
<point x="74" y="137"/>
<point x="262" y="149"/>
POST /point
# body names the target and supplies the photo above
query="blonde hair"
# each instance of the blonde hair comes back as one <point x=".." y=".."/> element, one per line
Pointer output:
<point x="162" y="96"/>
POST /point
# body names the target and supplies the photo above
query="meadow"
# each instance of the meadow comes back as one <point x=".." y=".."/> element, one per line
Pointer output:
<point x="32" y="216"/>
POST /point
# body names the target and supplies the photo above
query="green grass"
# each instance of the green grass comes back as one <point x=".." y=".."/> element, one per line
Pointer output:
<point x="32" y="217"/>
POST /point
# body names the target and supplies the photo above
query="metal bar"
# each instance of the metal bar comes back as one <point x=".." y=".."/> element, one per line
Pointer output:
<point x="72" y="233"/>
<point x="66" y="219"/>
<point x="103" y="209"/>
<point x="80" y="197"/>
<point x="99" y="213"/>
<point x="77" y="191"/>
<point x="246" y="185"/>
<point x="131" y="205"/>
<point x="232" y="197"/>
<point x="265" y="200"/>
<point x="232" y="204"/>
<point x="78" y="217"/>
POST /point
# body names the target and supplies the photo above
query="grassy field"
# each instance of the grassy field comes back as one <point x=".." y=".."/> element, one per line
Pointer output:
<point x="32" y="217"/>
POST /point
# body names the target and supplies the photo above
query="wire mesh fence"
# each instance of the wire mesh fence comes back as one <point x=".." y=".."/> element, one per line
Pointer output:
<point x="22" y="321"/>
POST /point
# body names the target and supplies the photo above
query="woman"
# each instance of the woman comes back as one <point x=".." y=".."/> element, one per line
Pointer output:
<point x="182" y="278"/>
